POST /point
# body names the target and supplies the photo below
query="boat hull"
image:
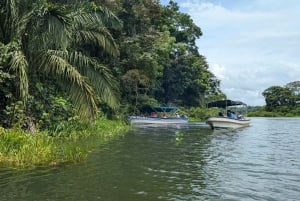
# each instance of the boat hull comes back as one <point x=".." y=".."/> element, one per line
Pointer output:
<point x="227" y="123"/>
<point x="156" y="120"/>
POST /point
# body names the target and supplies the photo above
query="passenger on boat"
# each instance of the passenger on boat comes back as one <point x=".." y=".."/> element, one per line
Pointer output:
<point x="164" y="115"/>
<point x="231" y="114"/>
<point x="153" y="114"/>
<point x="228" y="113"/>
<point x="221" y="114"/>
<point x="177" y="115"/>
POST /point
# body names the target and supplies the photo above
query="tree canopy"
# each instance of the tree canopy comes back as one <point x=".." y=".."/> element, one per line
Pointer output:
<point x="284" y="98"/>
<point x="62" y="58"/>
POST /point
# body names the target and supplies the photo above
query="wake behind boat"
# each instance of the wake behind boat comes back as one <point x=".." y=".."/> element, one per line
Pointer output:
<point x="159" y="115"/>
<point x="231" y="120"/>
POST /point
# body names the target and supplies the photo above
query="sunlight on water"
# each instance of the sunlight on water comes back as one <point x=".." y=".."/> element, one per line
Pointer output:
<point x="185" y="162"/>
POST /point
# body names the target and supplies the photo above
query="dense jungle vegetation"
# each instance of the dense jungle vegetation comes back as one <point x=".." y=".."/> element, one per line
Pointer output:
<point x="63" y="60"/>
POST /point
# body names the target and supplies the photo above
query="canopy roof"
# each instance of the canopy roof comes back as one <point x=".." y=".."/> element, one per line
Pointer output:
<point x="225" y="103"/>
<point x="158" y="109"/>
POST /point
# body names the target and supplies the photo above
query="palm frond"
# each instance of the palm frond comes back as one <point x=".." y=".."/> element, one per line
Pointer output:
<point x="81" y="18"/>
<point x="22" y="22"/>
<point x="99" y="76"/>
<point x="107" y="88"/>
<point x="9" y="16"/>
<point x="84" y="100"/>
<point x="109" y="18"/>
<point x="54" y="29"/>
<point x="89" y="28"/>
<point x="99" y="36"/>
<point x="19" y="65"/>
<point x="81" y="92"/>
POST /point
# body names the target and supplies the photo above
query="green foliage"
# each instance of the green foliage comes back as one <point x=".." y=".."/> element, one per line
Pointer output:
<point x="181" y="26"/>
<point x="279" y="112"/>
<point x="186" y="80"/>
<point x="55" y="48"/>
<point x="295" y="88"/>
<point x="279" y="97"/>
<point x="64" y="59"/>
<point x="165" y="54"/>
<point x="281" y="101"/>
<point x="53" y="117"/>
<point x="199" y="113"/>
<point x="22" y="149"/>
<point x="6" y="96"/>
<point x="14" y="113"/>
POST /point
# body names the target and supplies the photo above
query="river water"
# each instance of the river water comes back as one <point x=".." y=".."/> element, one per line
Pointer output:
<point x="190" y="162"/>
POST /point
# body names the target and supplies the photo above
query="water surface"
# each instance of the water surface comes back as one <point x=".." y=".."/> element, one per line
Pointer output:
<point x="187" y="162"/>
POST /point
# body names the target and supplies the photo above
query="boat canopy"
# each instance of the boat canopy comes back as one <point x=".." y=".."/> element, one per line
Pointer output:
<point x="149" y="109"/>
<point x="225" y="103"/>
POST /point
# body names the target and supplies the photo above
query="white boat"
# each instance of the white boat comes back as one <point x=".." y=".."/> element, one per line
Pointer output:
<point x="159" y="115"/>
<point x="220" y="122"/>
<point x="225" y="122"/>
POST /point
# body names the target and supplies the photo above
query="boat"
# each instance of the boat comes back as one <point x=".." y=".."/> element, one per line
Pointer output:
<point x="230" y="121"/>
<point x="159" y="115"/>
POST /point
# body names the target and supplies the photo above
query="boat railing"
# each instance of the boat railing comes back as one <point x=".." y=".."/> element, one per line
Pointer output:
<point x="142" y="117"/>
<point x="149" y="117"/>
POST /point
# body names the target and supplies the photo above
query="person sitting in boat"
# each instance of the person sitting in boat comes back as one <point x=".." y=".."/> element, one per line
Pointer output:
<point x="177" y="115"/>
<point x="153" y="114"/>
<point x="221" y="114"/>
<point x="231" y="114"/>
<point x="164" y="115"/>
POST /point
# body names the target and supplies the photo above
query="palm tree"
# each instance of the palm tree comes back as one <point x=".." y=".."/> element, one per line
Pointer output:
<point x="41" y="38"/>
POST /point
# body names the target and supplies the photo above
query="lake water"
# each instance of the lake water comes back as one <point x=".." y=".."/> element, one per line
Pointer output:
<point x="190" y="162"/>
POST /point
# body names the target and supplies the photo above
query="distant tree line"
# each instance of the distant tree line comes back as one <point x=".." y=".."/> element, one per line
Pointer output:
<point x="65" y="60"/>
<point x="280" y="101"/>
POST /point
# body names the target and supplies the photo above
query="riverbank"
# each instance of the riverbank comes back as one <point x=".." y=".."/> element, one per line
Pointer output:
<point x="263" y="113"/>
<point x="23" y="149"/>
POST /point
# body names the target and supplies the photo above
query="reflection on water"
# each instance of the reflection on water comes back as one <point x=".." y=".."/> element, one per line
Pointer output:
<point x="185" y="162"/>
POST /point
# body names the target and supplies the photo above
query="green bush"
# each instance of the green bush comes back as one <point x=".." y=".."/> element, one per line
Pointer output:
<point x="199" y="113"/>
<point x="279" y="112"/>
<point x="22" y="149"/>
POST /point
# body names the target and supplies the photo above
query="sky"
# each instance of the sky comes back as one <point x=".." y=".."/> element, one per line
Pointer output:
<point x="250" y="45"/>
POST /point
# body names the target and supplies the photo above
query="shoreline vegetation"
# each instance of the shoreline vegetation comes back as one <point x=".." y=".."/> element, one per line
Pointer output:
<point x="201" y="114"/>
<point x="263" y="113"/>
<point x="22" y="149"/>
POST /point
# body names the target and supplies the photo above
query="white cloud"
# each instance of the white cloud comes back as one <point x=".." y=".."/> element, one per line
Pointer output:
<point x="218" y="71"/>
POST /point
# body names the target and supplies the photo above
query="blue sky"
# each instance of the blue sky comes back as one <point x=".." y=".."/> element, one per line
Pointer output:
<point x="250" y="45"/>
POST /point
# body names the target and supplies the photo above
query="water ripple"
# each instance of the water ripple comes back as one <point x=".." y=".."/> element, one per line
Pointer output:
<point x="260" y="162"/>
